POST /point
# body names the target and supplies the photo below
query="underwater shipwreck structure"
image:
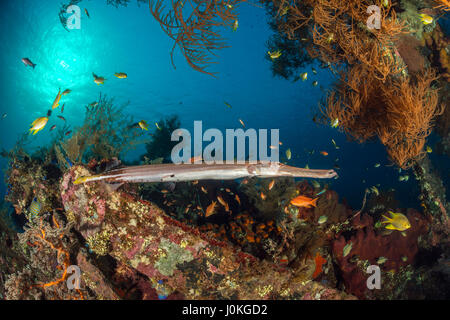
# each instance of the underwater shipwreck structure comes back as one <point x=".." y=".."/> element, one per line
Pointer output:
<point x="203" y="239"/>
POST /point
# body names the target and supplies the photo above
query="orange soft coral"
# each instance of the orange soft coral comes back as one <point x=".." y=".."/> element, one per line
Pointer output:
<point x="443" y="5"/>
<point x="400" y="112"/>
<point x="339" y="32"/>
<point x="62" y="255"/>
<point x="383" y="92"/>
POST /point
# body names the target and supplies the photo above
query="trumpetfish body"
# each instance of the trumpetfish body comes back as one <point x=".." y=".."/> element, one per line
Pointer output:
<point x="191" y="172"/>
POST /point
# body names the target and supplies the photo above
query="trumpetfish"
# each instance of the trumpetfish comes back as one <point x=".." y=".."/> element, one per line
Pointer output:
<point x="191" y="172"/>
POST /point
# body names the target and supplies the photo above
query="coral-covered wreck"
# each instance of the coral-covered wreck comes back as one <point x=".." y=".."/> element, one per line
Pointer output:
<point x="129" y="248"/>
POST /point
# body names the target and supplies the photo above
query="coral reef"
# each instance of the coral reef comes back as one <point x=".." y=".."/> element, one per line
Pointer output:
<point x="433" y="199"/>
<point x="374" y="62"/>
<point x="10" y="257"/>
<point x="243" y="240"/>
<point x="400" y="112"/>
<point x="46" y="243"/>
<point x="439" y="45"/>
<point x="294" y="54"/>
<point x="29" y="179"/>
<point x="129" y="248"/>
<point x="107" y="132"/>
<point x="191" y="26"/>
<point x="176" y="258"/>
<point x="367" y="247"/>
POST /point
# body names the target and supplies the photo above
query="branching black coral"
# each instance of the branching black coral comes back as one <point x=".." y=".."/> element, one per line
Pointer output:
<point x="190" y="24"/>
<point x="106" y="133"/>
<point x="161" y="145"/>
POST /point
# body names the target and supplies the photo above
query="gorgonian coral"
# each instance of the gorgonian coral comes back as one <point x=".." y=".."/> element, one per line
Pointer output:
<point x="399" y="112"/>
<point x="106" y="133"/>
<point x="340" y="34"/>
<point x="191" y="25"/>
<point x="379" y="94"/>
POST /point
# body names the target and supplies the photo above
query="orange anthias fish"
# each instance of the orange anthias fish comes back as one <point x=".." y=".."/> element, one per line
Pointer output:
<point x="211" y="209"/>
<point x="324" y="153"/>
<point x="195" y="159"/>
<point x="320" y="261"/>
<point x="56" y="102"/>
<point x="222" y="202"/>
<point x="302" y="201"/>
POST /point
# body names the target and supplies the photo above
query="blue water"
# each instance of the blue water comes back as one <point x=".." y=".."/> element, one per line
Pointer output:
<point x="129" y="39"/>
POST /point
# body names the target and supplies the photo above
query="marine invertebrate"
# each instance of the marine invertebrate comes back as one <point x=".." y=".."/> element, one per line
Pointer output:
<point x="11" y="257"/>
<point x="408" y="48"/>
<point x="293" y="47"/>
<point x="46" y="244"/>
<point x="438" y="43"/>
<point x="106" y="133"/>
<point x="175" y="256"/>
<point x="371" y="66"/>
<point x="191" y="25"/>
<point x="339" y="33"/>
<point x="367" y="246"/>
<point x="30" y="177"/>
<point x="161" y="145"/>
<point x="319" y="262"/>
<point x="443" y="5"/>
<point x="400" y="112"/>
<point x="60" y="251"/>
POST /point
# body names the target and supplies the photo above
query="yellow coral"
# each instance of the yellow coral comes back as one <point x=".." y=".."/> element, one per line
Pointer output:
<point x="100" y="242"/>
<point x="264" y="291"/>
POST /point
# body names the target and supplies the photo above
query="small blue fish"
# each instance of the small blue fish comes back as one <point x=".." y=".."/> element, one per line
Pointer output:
<point x="162" y="297"/>
<point x="321" y="192"/>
